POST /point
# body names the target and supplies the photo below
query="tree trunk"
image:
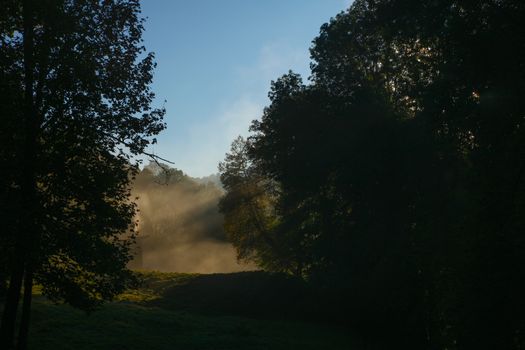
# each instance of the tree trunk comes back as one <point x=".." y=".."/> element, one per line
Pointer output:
<point x="7" y="330"/>
<point x="26" y="310"/>
<point x="27" y="231"/>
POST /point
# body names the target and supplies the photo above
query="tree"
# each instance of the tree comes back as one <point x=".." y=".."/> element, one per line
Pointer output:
<point x="10" y="98"/>
<point x="86" y="115"/>
<point x="400" y="168"/>
<point x="249" y="210"/>
<point x="470" y="98"/>
<point x="345" y="166"/>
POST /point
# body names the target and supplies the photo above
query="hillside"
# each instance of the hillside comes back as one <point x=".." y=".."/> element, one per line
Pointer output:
<point x="249" y="310"/>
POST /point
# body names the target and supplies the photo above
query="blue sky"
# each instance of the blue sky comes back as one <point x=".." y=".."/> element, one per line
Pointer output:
<point x="216" y="59"/>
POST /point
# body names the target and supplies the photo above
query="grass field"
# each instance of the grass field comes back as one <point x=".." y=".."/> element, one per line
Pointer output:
<point x="251" y="310"/>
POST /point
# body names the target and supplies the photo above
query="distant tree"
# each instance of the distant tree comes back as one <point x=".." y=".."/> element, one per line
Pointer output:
<point x="86" y="113"/>
<point x="251" y="216"/>
<point x="247" y="207"/>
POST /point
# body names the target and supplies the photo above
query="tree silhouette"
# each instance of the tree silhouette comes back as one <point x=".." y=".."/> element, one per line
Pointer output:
<point x="82" y="116"/>
<point x="400" y="169"/>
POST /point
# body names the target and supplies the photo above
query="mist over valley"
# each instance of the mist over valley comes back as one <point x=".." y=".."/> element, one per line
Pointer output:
<point x="180" y="228"/>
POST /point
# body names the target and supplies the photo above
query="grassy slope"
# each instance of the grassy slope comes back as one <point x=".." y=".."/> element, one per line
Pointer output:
<point x="179" y="311"/>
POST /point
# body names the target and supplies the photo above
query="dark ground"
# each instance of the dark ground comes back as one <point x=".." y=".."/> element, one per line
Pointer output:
<point x="249" y="310"/>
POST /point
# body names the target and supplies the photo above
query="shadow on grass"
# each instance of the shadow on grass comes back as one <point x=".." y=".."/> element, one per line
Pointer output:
<point x="249" y="311"/>
<point x="133" y="326"/>
<point x="249" y="294"/>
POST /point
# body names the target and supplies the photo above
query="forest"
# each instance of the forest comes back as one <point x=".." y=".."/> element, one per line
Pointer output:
<point x="378" y="203"/>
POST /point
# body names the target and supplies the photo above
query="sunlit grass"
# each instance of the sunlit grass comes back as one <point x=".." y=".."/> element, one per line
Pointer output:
<point x="153" y="284"/>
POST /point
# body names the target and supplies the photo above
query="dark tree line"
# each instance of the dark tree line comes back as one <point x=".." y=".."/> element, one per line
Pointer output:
<point x="395" y="178"/>
<point x="76" y="107"/>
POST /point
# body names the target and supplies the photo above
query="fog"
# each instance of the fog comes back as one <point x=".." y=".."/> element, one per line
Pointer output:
<point x="180" y="227"/>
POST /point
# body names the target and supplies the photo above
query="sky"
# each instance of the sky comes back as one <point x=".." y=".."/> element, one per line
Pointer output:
<point x="215" y="61"/>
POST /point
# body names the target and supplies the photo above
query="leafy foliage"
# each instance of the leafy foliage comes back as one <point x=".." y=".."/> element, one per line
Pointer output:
<point x="400" y="169"/>
<point x="248" y="208"/>
<point x="79" y="111"/>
